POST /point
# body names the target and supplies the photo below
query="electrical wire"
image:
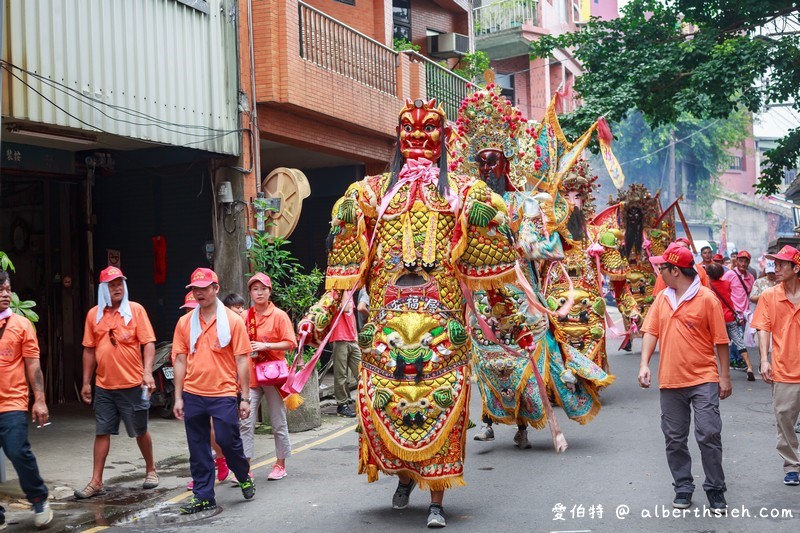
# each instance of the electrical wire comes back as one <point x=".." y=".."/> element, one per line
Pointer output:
<point x="670" y="144"/>
<point x="78" y="95"/>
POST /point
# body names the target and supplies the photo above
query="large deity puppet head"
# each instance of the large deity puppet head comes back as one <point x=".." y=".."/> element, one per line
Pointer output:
<point x="577" y="185"/>
<point x="489" y="127"/>
<point x="422" y="132"/>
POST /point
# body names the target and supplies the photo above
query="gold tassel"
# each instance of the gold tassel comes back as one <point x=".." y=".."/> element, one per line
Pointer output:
<point x="409" y="251"/>
<point x="429" y="246"/>
<point x="293" y="401"/>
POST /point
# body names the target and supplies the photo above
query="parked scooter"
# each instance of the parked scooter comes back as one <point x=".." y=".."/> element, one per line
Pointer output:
<point x="163" y="396"/>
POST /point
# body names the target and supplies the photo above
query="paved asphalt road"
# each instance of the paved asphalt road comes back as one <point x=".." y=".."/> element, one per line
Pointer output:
<point x="616" y="463"/>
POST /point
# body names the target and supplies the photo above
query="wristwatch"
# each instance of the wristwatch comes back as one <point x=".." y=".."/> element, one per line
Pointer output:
<point x="244" y="400"/>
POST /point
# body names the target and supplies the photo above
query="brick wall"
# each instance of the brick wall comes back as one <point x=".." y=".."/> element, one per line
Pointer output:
<point x="426" y="14"/>
<point x="360" y="16"/>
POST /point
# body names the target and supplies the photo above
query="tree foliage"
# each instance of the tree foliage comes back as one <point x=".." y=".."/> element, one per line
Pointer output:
<point x="676" y="58"/>
<point x="701" y="147"/>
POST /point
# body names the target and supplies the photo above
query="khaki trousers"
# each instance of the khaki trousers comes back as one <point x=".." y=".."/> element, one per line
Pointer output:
<point x="786" y="402"/>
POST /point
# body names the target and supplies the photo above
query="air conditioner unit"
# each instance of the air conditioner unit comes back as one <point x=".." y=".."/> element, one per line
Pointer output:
<point x="448" y="45"/>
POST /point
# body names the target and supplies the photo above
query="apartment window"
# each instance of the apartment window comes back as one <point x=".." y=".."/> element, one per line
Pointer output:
<point x="735" y="162"/>
<point x="348" y="2"/>
<point x="401" y="16"/>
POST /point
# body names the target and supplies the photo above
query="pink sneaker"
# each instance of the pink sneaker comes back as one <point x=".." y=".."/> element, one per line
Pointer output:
<point x="190" y="485"/>
<point x="278" y="472"/>
<point x="222" y="469"/>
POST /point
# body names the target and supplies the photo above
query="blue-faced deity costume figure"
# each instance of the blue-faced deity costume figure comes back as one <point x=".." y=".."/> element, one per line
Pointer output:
<point x="495" y="145"/>
<point x="416" y="237"/>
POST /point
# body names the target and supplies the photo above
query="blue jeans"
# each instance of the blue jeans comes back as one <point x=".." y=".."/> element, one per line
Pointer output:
<point x="223" y="412"/>
<point x="14" y="442"/>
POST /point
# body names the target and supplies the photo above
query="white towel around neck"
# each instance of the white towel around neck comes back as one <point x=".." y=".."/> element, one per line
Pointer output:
<point x="104" y="300"/>
<point x="690" y="293"/>
<point x="223" y="327"/>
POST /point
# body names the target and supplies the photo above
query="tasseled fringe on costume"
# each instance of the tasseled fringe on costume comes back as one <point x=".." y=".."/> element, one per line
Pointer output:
<point x="510" y="420"/>
<point x="497" y="281"/>
<point x="605" y="382"/>
<point x="293" y="401"/>
<point x="342" y="283"/>
<point x="412" y="456"/>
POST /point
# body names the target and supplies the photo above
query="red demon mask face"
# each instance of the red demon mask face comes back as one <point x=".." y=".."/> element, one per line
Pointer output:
<point x="421" y="129"/>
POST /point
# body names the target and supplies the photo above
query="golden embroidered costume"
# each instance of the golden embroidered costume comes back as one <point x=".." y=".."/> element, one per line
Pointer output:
<point x="414" y="237"/>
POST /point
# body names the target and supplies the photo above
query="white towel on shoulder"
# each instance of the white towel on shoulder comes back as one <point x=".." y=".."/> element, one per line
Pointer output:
<point x="223" y="327"/>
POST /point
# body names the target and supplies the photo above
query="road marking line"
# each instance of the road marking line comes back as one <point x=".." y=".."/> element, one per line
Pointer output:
<point x="184" y="495"/>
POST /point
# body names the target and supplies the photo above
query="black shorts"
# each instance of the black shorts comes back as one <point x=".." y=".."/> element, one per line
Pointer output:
<point x="111" y="406"/>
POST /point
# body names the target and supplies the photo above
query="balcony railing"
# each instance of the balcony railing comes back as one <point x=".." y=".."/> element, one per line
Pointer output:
<point x="332" y="45"/>
<point x="504" y="15"/>
<point x="448" y="88"/>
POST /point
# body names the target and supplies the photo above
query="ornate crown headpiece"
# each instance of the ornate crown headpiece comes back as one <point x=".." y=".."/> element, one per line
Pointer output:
<point x="580" y="179"/>
<point x="489" y="121"/>
<point x="637" y="195"/>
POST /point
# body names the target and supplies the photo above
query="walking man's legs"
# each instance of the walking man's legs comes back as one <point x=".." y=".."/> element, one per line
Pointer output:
<point x="708" y="432"/>
<point x="675" y="420"/>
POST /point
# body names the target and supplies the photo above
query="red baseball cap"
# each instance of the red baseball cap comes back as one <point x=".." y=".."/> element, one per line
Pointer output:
<point x="718" y="257"/>
<point x="744" y="253"/>
<point x="111" y="273"/>
<point x="787" y="253"/>
<point x="260" y="276"/>
<point x="189" y="302"/>
<point x="685" y="241"/>
<point x="675" y="254"/>
<point x="202" y="277"/>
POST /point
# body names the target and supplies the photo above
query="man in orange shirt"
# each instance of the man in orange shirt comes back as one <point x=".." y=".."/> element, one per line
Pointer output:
<point x="778" y="315"/>
<point x="211" y="350"/>
<point x="115" y="332"/>
<point x="686" y="320"/>
<point x="19" y="356"/>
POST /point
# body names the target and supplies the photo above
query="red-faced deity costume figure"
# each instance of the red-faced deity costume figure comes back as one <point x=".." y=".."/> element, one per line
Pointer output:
<point x="415" y="238"/>
<point x="493" y="137"/>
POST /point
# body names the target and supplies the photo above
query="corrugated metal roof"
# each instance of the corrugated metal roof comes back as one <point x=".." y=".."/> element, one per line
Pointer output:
<point x="156" y="70"/>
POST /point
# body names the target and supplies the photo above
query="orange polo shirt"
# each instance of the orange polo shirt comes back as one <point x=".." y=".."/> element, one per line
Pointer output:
<point x="18" y="343"/>
<point x="120" y="366"/>
<point x="776" y="314"/>
<point x="273" y="326"/>
<point x="687" y="338"/>
<point x="211" y="369"/>
<point x="701" y="273"/>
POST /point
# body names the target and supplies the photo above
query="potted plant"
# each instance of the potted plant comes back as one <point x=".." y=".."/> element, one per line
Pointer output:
<point x="294" y="291"/>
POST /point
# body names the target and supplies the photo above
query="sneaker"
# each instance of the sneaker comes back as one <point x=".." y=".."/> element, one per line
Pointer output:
<point x="345" y="411"/>
<point x="792" y="478"/>
<point x="683" y="500"/>
<point x="43" y="515"/>
<point x="436" y="516"/>
<point x="222" y="469"/>
<point x="716" y="500"/>
<point x="485" y="434"/>
<point x="2" y="517"/>
<point x="197" y="505"/>
<point x="190" y="485"/>
<point x="521" y="439"/>
<point x="278" y="472"/>
<point x="248" y="487"/>
<point x="400" y="498"/>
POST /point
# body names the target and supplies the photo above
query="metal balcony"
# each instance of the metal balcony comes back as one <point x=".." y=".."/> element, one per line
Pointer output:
<point x="502" y="29"/>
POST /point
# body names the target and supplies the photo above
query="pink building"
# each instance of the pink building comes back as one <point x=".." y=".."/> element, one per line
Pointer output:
<point x="504" y="31"/>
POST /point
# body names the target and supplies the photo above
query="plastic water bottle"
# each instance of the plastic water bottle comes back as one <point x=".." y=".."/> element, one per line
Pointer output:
<point x="145" y="392"/>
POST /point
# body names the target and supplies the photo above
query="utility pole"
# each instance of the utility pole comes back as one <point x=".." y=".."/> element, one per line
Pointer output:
<point x="671" y="174"/>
